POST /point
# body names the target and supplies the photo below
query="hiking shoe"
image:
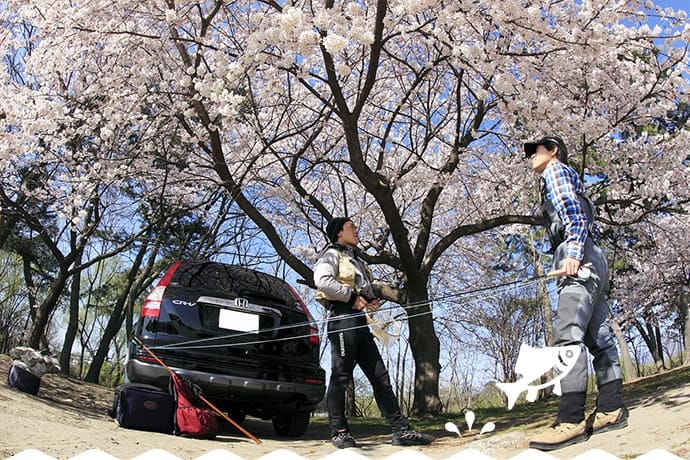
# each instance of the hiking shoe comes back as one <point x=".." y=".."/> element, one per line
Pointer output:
<point x="411" y="438"/>
<point x="343" y="440"/>
<point x="601" y="422"/>
<point x="560" y="435"/>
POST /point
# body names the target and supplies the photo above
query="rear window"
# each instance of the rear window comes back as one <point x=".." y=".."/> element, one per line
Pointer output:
<point x="233" y="280"/>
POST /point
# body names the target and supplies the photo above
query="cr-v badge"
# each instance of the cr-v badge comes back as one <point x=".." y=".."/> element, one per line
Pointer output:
<point x="183" y="302"/>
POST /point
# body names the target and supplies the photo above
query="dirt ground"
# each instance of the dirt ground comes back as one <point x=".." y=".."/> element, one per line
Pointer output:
<point x="68" y="417"/>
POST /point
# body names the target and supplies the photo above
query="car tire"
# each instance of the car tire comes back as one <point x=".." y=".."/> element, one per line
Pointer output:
<point x="292" y="425"/>
<point x="237" y="416"/>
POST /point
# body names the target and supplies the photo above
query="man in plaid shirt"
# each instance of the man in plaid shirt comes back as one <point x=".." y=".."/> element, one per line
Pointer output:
<point x="582" y="314"/>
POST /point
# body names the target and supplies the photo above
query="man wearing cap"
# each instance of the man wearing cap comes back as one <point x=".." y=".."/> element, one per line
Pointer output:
<point x="344" y="284"/>
<point x="582" y="314"/>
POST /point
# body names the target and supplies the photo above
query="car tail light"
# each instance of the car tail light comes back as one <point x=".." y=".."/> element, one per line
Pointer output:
<point x="313" y="330"/>
<point x="152" y="303"/>
<point x="145" y="357"/>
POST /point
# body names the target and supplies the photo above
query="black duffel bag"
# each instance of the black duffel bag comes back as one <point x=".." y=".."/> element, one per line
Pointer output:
<point x="143" y="407"/>
<point x="19" y="377"/>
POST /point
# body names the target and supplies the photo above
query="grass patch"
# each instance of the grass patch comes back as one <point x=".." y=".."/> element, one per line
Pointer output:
<point x="528" y="415"/>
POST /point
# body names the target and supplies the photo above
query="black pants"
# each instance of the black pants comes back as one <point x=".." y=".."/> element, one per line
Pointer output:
<point x="353" y="344"/>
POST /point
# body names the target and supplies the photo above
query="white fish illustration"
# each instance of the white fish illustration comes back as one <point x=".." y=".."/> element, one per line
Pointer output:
<point x="532" y="363"/>
<point x="452" y="427"/>
<point x="469" y="418"/>
<point x="487" y="428"/>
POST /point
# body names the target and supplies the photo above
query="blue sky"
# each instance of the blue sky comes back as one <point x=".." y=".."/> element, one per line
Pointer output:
<point x="675" y="4"/>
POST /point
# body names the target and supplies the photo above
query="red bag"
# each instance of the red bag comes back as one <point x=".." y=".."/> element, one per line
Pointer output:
<point x="190" y="419"/>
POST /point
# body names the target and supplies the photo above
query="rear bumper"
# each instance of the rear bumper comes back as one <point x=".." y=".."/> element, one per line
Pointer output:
<point x="253" y="395"/>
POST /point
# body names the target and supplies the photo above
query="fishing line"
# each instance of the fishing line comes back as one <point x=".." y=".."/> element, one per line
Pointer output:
<point x="471" y="296"/>
<point x="499" y="289"/>
<point x="257" y="342"/>
<point x="326" y="319"/>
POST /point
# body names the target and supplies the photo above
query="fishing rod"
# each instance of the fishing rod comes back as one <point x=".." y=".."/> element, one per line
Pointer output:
<point x="583" y="273"/>
<point x="200" y="396"/>
<point x="496" y="289"/>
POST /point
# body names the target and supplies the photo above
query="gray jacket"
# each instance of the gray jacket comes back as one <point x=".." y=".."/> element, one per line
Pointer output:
<point x="338" y="273"/>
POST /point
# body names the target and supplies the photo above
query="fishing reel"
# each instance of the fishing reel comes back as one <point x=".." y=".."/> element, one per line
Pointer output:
<point x="584" y="272"/>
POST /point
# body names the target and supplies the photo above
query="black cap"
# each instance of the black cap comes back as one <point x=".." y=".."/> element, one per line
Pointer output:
<point x="549" y="142"/>
<point x="334" y="227"/>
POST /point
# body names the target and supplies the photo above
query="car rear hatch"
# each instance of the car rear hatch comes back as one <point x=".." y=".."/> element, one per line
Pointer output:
<point x="220" y="318"/>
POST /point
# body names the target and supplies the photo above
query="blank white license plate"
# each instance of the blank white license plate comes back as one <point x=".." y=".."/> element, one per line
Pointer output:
<point x="238" y="321"/>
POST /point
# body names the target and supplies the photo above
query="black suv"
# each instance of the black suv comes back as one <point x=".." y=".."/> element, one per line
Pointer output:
<point x="245" y="337"/>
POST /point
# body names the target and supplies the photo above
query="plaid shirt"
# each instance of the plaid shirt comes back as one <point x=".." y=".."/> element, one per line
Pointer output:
<point x="561" y="186"/>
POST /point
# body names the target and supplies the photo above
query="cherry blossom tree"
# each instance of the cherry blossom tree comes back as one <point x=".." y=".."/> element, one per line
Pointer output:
<point x="408" y="115"/>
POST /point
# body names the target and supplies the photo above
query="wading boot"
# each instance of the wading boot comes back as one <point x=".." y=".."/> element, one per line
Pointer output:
<point x="601" y="422"/>
<point x="560" y="434"/>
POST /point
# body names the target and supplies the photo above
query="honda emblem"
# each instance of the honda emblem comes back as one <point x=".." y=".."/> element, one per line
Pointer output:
<point x="241" y="302"/>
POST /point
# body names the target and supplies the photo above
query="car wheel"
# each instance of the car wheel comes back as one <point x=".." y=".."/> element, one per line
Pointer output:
<point x="293" y="425"/>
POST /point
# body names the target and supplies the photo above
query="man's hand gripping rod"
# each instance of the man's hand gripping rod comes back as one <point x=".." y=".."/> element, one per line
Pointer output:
<point x="583" y="272"/>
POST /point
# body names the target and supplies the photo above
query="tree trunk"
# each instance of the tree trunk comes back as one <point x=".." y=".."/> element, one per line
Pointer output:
<point x="72" y="323"/>
<point x="659" y="345"/>
<point x="683" y="301"/>
<point x="546" y="311"/>
<point x="46" y="308"/>
<point x="111" y="329"/>
<point x="542" y="294"/>
<point x="73" y="319"/>
<point x="31" y="290"/>
<point x="425" y="348"/>
<point x="402" y="390"/>
<point x="117" y="316"/>
<point x="626" y="358"/>
<point x="647" y="333"/>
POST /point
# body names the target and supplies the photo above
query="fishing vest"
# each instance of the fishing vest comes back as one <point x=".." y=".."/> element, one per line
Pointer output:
<point x="555" y="228"/>
<point x="346" y="274"/>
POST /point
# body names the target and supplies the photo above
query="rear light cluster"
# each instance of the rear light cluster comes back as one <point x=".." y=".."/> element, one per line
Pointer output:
<point x="152" y="303"/>
<point x="313" y="330"/>
<point x="145" y="357"/>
